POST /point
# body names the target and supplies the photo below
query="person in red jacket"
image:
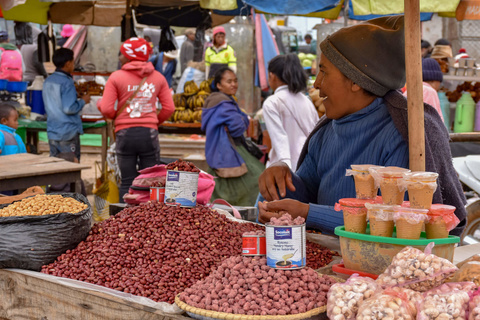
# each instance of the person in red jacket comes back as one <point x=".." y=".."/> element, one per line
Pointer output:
<point x="138" y="98"/>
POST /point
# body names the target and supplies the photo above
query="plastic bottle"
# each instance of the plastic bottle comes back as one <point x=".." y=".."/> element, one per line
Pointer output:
<point x="477" y="116"/>
<point x="445" y="106"/>
<point x="464" y="114"/>
<point x="34" y="95"/>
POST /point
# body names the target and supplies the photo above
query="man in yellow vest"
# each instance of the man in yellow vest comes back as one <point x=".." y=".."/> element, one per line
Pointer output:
<point x="220" y="54"/>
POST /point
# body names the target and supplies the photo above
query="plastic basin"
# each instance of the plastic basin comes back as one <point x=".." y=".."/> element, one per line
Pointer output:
<point x="3" y="84"/>
<point x="17" y="86"/>
<point x="372" y="254"/>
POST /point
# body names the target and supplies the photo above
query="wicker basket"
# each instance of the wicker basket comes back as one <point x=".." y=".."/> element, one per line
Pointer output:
<point x="203" y="314"/>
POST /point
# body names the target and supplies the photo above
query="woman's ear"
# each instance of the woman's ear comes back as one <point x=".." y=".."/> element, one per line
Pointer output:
<point x="355" y="87"/>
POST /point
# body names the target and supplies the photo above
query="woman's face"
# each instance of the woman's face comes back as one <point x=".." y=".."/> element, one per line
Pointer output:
<point x="335" y="88"/>
<point x="219" y="39"/>
<point x="229" y="83"/>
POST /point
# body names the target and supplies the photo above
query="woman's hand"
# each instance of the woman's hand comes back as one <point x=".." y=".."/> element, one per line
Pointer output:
<point x="268" y="210"/>
<point x="278" y="174"/>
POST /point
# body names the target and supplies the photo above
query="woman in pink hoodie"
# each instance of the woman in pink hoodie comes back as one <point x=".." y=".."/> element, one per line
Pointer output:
<point x="138" y="99"/>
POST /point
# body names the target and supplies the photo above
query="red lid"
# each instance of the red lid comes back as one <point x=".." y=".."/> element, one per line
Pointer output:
<point x="354" y="202"/>
<point x="441" y="209"/>
<point x="340" y="268"/>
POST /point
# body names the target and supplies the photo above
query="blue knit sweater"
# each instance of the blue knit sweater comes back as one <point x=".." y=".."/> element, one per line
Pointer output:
<point x="368" y="136"/>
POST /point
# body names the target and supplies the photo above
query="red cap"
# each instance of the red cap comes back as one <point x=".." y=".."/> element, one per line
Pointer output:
<point x="462" y="50"/>
<point x="218" y="30"/>
<point x="136" y="49"/>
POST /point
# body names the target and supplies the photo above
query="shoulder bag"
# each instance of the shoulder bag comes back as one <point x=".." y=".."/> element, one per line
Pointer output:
<point x="110" y="122"/>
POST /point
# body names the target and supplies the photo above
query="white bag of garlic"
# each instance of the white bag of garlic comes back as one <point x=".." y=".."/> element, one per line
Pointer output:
<point x="416" y="270"/>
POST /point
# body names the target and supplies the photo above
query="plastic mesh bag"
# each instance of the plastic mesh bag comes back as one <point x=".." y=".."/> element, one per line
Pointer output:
<point x="387" y="304"/>
<point x="448" y="301"/>
<point x="416" y="270"/>
<point x="343" y="299"/>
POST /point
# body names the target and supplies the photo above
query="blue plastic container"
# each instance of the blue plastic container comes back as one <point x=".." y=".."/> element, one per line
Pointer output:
<point x="3" y="84"/>
<point x="17" y="86"/>
<point x="34" y="99"/>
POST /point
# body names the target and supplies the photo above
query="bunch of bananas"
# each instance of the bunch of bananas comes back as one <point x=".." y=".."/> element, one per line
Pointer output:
<point x="179" y="101"/>
<point x="185" y="115"/>
<point x="205" y="86"/>
<point x="197" y="115"/>
<point x="190" y="88"/>
<point x="189" y="104"/>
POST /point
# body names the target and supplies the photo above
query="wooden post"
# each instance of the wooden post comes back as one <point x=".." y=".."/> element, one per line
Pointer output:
<point x="413" y="62"/>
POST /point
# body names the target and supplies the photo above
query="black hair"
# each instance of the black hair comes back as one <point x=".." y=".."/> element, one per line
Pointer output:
<point x="425" y="44"/>
<point x="219" y="75"/>
<point x="443" y="42"/>
<point x="5" y="110"/>
<point x="62" y="56"/>
<point x="308" y="36"/>
<point x="147" y="38"/>
<point x="289" y="70"/>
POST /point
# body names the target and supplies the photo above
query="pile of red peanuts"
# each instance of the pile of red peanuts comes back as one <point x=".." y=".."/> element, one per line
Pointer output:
<point x="156" y="251"/>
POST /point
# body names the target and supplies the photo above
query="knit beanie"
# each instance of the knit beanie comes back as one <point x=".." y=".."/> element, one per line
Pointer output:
<point x="431" y="70"/>
<point x="371" y="54"/>
<point x="136" y="49"/>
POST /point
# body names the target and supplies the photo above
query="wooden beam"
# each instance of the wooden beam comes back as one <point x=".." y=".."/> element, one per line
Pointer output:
<point x="413" y="61"/>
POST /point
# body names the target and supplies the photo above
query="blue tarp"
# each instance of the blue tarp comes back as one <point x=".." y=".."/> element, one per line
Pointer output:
<point x="292" y="7"/>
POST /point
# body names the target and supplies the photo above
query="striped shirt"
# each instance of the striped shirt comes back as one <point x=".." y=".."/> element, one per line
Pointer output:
<point x="368" y="136"/>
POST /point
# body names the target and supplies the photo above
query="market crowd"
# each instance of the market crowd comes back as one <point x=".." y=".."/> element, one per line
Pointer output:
<point x="365" y="120"/>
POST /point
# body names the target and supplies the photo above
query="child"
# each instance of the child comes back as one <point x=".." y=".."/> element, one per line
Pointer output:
<point x="64" y="124"/>
<point x="10" y="142"/>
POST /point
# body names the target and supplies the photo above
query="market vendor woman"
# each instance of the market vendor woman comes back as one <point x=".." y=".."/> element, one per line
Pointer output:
<point x="360" y="70"/>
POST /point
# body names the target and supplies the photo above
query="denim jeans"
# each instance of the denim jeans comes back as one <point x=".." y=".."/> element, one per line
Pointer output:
<point x="135" y="146"/>
<point x="59" y="146"/>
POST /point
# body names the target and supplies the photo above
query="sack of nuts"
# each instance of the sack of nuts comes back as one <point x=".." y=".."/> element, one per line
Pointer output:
<point x="36" y="230"/>
<point x="416" y="270"/>
<point x="343" y="299"/>
<point x="389" y="305"/>
<point x="448" y="301"/>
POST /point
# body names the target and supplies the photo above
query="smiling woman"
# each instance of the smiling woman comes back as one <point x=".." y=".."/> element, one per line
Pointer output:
<point x="365" y="123"/>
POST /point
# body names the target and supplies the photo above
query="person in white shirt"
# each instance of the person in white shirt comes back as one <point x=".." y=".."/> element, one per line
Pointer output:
<point x="289" y="114"/>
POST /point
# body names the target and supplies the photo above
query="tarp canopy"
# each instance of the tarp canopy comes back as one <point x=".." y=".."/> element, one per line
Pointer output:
<point x="182" y="13"/>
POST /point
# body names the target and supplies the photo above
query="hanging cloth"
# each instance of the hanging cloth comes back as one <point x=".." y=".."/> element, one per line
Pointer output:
<point x="46" y="44"/>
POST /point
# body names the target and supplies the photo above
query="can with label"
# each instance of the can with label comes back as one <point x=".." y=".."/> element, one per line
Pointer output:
<point x="254" y="245"/>
<point x="286" y="246"/>
<point x="157" y="194"/>
<point x="181" y="188"/>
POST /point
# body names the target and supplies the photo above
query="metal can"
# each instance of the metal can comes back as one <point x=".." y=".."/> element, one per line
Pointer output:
<point x="286" y="246"/>
<point x="157" y="194"/>
<point x="254" y="245"/>
<point x="181" y="188"/>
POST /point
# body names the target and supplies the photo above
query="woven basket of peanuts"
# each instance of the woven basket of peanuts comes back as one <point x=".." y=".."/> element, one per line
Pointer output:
<point x="245" y="288"/>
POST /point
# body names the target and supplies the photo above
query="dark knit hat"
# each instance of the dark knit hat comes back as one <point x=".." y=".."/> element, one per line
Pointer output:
<point x="431" y="70"/>
<point x="372" y="53"/>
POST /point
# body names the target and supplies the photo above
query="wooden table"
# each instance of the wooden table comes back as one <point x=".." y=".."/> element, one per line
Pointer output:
<point x="20" y="171"/>
<point x="34" y="127"/>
